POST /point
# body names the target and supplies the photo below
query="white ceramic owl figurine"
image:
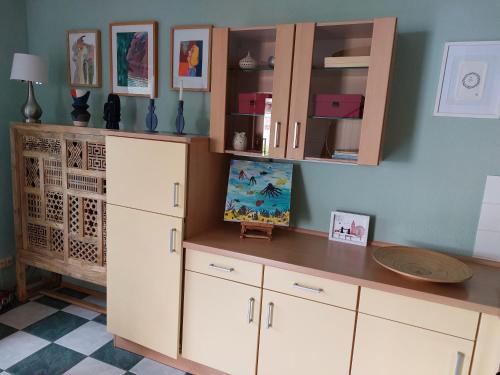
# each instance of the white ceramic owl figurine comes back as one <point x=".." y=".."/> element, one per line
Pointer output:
<point x="240" y="141"/>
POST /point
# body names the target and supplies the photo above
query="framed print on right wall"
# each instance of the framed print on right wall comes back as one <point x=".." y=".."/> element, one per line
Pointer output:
<point x="469" y="85"/>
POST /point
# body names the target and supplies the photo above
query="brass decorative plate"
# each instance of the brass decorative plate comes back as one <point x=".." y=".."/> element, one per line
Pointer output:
<point x="422" y="264"/>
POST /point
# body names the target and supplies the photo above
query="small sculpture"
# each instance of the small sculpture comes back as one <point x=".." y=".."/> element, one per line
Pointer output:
<point x="270" y="61"/>
<point x="80" y="115"/>
<point x="179" y="120"/>
<point x="112" y="112"/>
<point x="248" y="62"/>
<point x="151" y="118"/>
<point x="240" y="141"/>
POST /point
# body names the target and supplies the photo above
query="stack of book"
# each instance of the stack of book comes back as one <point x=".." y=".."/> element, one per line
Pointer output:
<point x="345" y="155"/>
<point x="347" y="62"/>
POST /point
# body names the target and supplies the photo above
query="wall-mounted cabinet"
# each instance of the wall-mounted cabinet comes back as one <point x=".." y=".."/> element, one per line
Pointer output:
<point x="303" y="77"/>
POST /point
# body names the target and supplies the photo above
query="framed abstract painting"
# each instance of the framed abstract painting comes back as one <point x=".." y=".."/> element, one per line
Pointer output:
<point x="190" y="50"/>
<point x="133" y="58"/>
<point x="84" y="58"/>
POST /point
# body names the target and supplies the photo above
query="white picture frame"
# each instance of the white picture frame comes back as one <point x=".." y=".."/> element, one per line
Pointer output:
<point x="469" y="83"/>
<point x="349" y="228"/>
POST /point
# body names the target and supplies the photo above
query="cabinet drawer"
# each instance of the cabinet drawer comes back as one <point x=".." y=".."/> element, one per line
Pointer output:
<point x="434" y="316"/>
<point x="146" y="175"/>
<point x="311" y="287"/>
<point x="224" y="267"/>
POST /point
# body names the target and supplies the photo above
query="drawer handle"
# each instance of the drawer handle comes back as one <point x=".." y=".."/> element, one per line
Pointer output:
<point x="277" y="131"/>
<point x="459" y="364"/>
<point x="221" y="268"/>
<point x="251" y="304"/>
<point x="296" y="134"/>
<point x="173" y="237"/>
<point x="270" y="310"/>
<point x="307" y="288"/>
<point x="176" y="194"/>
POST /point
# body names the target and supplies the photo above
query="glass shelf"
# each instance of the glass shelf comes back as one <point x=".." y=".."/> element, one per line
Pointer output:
<point x="245" y="114"/>
<point x="322" y="68"/>
<point x="334" y="118"/>
<point x="257" y="69"/>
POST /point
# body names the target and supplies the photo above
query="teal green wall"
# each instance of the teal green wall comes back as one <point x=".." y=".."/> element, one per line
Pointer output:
<point x="428" y="189"/>
<point x="13" y="38"/>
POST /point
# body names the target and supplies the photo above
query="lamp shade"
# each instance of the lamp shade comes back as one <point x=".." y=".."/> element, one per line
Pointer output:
<point x="29" y="68"/>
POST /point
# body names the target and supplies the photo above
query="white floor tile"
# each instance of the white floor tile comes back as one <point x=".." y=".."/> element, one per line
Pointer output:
<point x="95" y="300"/>
<point x="87" y="338"/>
<point x="91" y="366"/>
<point x="16" y="347"/>
<point x="80" y="311"/>
<point x="26" y="314"/>
<point x="487" y="245"/>
<point x="148" y="367"/>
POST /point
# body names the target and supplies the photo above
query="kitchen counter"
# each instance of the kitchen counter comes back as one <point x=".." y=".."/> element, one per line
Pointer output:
<point x="316" y="255"/>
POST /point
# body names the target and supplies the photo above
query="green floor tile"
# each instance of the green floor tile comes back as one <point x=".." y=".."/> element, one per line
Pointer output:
<point x="101" y="319"/>
<point x="73" y="293"/>
<point x="55" y="326"/>
<point x="116" y="357"/>
<point x="55" y="303"/>
<point x="6" y="331"/>
<point x="51" y="360"/>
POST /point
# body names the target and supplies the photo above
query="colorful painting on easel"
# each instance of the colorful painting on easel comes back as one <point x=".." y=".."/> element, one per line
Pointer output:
<point x="259" y="192"/>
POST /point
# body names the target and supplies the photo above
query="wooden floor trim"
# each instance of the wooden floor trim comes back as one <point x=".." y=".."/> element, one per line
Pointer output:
<point x="75" y="301"/>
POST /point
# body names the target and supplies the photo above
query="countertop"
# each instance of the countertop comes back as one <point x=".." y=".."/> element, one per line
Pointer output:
<point x="316" y="255"/>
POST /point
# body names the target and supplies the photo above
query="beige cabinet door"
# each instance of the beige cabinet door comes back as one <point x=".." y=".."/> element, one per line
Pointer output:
<point x="300" y="337"/>
<point x="147" y="175"/>
<point x="487" y="354"/>
<point x="384" y="347"/>
<point x="221" y="323"/>
<point x="144" y="263"/>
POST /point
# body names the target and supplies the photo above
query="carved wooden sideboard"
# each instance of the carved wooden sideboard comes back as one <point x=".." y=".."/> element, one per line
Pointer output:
<point x="59" y="189"/>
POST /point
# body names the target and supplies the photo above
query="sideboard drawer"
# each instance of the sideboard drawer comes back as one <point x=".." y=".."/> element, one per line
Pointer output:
<point x="311" y="287"/>
<point x="146" y="175"/>
<point x="430" y="315"/>
<point x="224" y="267"/>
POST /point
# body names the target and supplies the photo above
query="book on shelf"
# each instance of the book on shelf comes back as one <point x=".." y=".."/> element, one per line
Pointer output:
<point x="347" y="62"/>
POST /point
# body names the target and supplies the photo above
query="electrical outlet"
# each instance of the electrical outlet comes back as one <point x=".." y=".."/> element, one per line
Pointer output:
<point x="6" y="262"/>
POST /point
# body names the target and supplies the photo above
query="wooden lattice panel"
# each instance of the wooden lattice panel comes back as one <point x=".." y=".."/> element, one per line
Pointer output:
<point x="42" y="144"/>
<point x="37" y="236"/>
<point x="74" y="154"/>
<point x="83" y="183"/>
<point x="34" y="206"/>
<point x="32" y="172"/>
<point x="57" y="241"/>
<point x="96" y="156"/>
<point x="87" y="252"/>
<point x="74" y="214"/>
<point x="52" y="172"/>
<point x="90" y="217"/>
<point x="54" y="206"/>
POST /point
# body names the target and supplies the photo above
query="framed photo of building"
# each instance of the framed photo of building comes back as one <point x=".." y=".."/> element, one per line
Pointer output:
<point x="349" y="228"/>
<point x="84" y="58"/>
<point x="190" y="51"/>
<point x="133" y="58"/>
<point x="469" y="84"/>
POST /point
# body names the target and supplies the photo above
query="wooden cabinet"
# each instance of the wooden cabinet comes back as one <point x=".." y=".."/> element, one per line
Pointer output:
<point x="384" y="347"/>
<point x="147" y="175"/>
<point x="221" y="323"/>
<point x="144" y="277"/>
<point x="304" y="337"/>
<point x="487" y="353"/>
<point x="294" y="130"/>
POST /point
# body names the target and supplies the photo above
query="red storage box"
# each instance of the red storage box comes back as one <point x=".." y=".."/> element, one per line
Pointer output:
<point x="253" y="103"/>
<point x="339" y="105"/>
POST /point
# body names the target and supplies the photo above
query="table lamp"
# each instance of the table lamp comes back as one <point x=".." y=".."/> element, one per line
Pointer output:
<point x="30" y="68"/>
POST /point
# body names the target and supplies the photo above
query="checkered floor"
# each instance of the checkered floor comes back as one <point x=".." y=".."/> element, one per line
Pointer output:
<point x="49" y="337"/>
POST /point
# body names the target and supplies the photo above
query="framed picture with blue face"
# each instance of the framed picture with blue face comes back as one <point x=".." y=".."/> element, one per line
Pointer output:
<point x="190" y="50"/>
<point x="133" y="58"/>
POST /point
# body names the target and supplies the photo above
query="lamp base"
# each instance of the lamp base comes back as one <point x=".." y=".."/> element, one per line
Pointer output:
<point x="31" y="109"/>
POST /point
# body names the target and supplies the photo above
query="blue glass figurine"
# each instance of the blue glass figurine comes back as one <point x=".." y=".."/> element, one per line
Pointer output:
<point x="151" y="118"/>
<point x="179" y="121"/>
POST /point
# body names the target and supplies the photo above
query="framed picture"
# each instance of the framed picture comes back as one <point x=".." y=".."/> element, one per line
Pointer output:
<point x="84" y="58"/>
<point x="259" y="192"/>
<point x="469" y="85"/>
<point x="133" y="58"/>
<point x="190" y="51"/>
<point x="349" y="228"/>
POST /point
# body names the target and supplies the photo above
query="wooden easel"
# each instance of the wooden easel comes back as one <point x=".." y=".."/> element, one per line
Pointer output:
<point x="248" y="230"/>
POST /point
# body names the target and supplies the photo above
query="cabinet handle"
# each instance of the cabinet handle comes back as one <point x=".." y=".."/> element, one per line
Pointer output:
<point x="270" y="309"/>
<point x="176" y="194"/>
<point x="173" y="235"/>
<point x="459" y="363"/>
<point x="277" y="131"/>
<point x="220" y="268"/>
<point x="307" y="288"/>
<point x="296" y="135"/>
<point x="251" y="304"/>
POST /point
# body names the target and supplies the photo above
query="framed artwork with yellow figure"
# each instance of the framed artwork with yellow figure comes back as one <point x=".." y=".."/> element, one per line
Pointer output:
<point x="84" y="58"/>
<point x="190" y="50"/>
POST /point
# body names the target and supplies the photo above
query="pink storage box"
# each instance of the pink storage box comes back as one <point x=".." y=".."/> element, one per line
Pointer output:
<point x="339" y="105"/>
<point x="253" y="103"/>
